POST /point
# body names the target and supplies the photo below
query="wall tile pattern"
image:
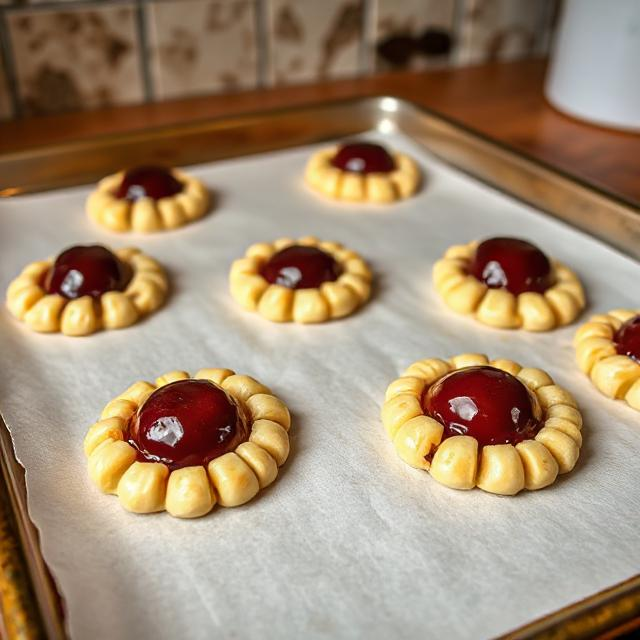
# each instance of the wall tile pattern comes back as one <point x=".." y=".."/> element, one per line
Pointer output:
<point x="411" y="20"/>
<point x="6" y="110"/>
<point x="503" y="30"/>
<point x="310" y="40"/>
<point x="202" y="46"/>
<point x="76" y="57"/>
<point x="62" y="55"/>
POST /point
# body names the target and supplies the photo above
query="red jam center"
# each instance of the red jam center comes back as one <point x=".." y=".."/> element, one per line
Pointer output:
<point x="187" y="423"/>
<point x="489" y="404"/>
<point x="363" y="157"/>
<point x="299" y="267"/>
<point x="514" y="264"/>
<point x="149" y="182"/>
<point x="627" y="339"/>
<point x="86" y="271"/>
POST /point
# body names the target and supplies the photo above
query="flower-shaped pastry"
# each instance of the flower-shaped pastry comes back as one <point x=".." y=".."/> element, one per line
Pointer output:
<point x="608" y="351"/>
<point x="147" y="199"/>
<point x="184" y="444"/>
<point x="509" y="284"/>
<point x="494" y="425"/>
<point x="362" y="171"/>
<point x="301" y="280"/>
<point x="87" y="288"/>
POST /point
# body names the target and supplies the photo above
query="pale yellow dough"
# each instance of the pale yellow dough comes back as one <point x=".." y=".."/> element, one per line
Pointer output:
<point x="229" y="480"/>
<point x="379" y="188"/>
<point x="616" y="376"/>
<point x="280" y="304"/>
<point x="147" y="215"/>
<point x="557" y="306"/>
<point x="457" y="462"/>
<point x="50" y="313"/>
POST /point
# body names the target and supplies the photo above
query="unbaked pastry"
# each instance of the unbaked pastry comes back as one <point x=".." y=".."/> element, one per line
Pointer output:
<point x="303" y="280"/>
<point x="184" y="444"/>
<point x="147" y="199"/>
<point x="509" y="284"/>
<point x="491" y="424"/>
<point x="362" y="171"/>
<point x="608" y="351"/>
<point x="87" y="288"/>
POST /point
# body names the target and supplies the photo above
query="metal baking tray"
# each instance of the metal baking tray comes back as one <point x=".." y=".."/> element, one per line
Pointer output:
<point x="592" y="210"/>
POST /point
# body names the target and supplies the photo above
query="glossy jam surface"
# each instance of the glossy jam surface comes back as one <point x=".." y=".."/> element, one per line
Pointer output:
<point x="187" y="423"/>
<point x="363" y="157"/>
<point x="514" y="264"/>
<point x="627" y="339"/>
<point x="299" y="267"/>
<point x="150" y="182"/>
<point x="86" y="271"/>
<point x="489" y="404"/>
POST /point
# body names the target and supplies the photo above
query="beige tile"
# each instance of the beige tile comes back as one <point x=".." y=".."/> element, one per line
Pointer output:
<point x="6" y="110"/>
<point x="313" y="39"/>
<point x="202" y="46"/>
<point x="76" y="58"/>
<point x="503" y="29"/>
<point x="398" y="24"/>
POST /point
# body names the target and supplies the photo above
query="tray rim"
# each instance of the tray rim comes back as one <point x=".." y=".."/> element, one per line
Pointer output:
<point x="607" y="610"/>
<point x="591" y="208"/>
<point x="48" y="600"/>
<point x="172" y="129"/>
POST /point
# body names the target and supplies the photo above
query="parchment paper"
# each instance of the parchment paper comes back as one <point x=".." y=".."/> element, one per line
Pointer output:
<point x="349" y="542"/>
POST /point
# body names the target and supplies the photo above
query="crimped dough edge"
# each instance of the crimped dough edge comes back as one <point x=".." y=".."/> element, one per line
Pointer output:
<point x="277" y="303"/>
<point x="51" y="313"/>
<point x="349" y="186"/>
<point x="457" y="462"/>
<point x="189" y="492"/>
<point x="147" y="215"/>
<point x="616" y="376"/>
<point x="557" y="306"/>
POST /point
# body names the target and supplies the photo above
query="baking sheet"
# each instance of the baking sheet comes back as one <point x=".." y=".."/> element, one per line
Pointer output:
<point x="349" y="541"/>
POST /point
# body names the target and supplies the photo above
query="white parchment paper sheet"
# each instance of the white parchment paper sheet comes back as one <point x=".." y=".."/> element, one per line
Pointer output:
<point x="349" y="542"/>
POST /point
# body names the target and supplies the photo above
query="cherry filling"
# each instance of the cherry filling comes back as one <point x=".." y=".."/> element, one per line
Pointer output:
<point x="86" y="271"/>
<point x="516" y="265"/>
<point x="149" y="182"/>
<point x="363" y="157"/>
<point x="187" y="423"/>
<point x="299" y="267"/>
<point x="489" y="404"/>
<point x="627" y="338"/>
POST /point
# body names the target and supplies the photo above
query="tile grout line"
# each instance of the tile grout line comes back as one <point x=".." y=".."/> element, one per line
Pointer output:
<point x="545" y="28"/>
<point x="263" y="52"/>
<point x="11" y="75"/>
<point x="368" y="38"/>
<point x="457" y="26"/>
<point x="144" y="51"/>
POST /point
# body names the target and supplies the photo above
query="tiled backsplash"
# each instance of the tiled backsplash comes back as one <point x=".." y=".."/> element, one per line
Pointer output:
<point x="80" y="54"/>
<point x="197" y="47"/>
